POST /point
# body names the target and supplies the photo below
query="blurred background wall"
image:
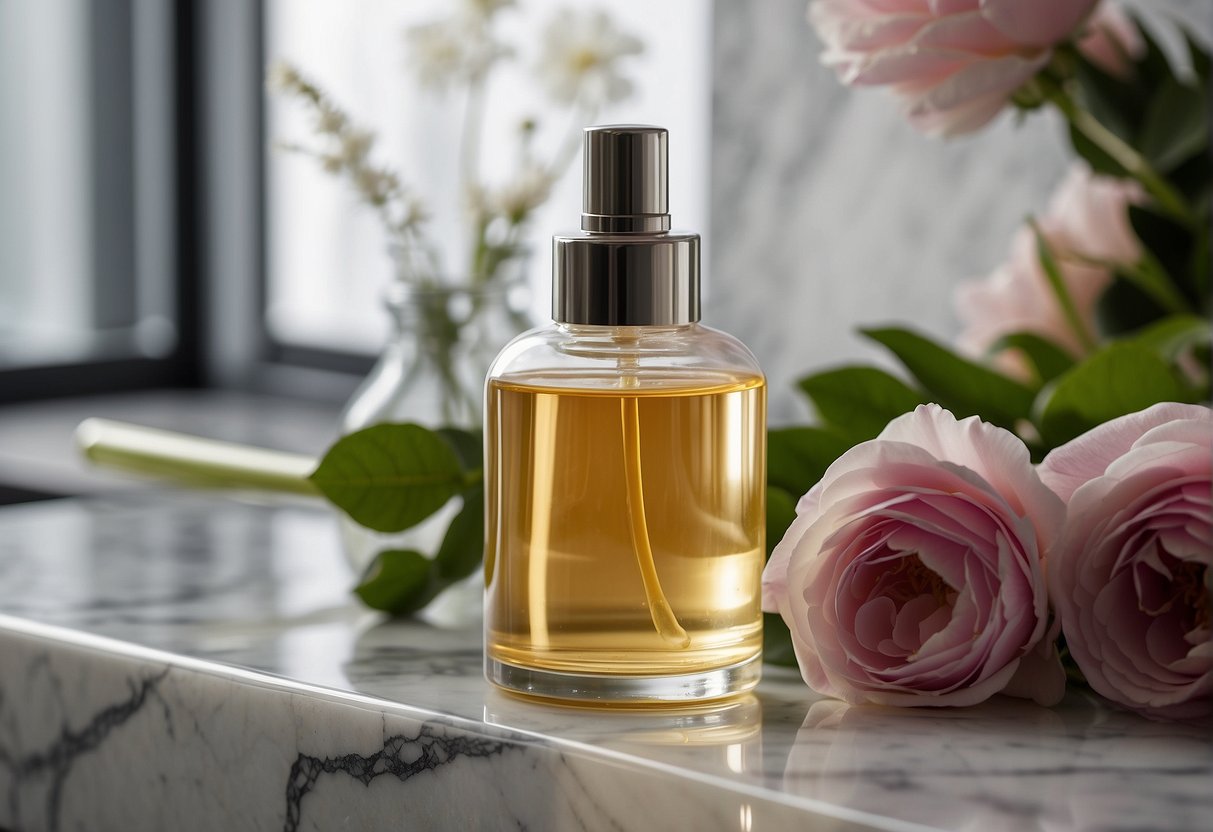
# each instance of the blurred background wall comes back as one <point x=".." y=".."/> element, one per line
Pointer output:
<point x="829" y="212"/>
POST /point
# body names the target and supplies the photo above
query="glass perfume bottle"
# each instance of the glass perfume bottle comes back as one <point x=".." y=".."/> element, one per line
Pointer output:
<point x="625" y="465"/>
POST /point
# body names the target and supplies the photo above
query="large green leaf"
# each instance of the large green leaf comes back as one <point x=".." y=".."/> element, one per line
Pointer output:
<point x="1169" y="245"/>
<point x="797" y="457"/>
<point x="781" y="511"/>
<point x="776" y="640"/>
<point x="1115" y="103"/>
<point x="390" y="477"/>
<point x="859" y="401"/>
<point x="1152" y="67"/>
<point x="1175" y="335"/>
<point x="1199" y="56"/>
<point x="467" y="444"/>
<point x="1124" y="307"/>
<point x="1121" y="378"/>
<point x="462" y="548"/>
<point x="1176" y="126"/>
<point x="1046" y="359"/>
<point x="399" y="581"/>
<point x="960" y="385"/>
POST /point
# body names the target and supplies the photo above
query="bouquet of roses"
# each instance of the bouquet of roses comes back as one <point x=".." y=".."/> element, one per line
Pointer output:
<point x="930" y="562"/>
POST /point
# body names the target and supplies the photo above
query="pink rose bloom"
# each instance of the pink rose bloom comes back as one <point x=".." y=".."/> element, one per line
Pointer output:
<point x="1087" y="220"/>
<point x="913" y="572"/>
<point x="955" y="62"/>
<point x="1110" y="40"/>
<point x="1130" y="575"/>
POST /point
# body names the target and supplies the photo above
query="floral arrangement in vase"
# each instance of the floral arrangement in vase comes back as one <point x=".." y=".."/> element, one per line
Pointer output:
<point x="930" y="562"/>
<point x="444" y="305"/>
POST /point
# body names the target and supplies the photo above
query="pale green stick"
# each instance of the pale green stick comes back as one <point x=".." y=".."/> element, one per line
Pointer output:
<point x="192" y="460"/>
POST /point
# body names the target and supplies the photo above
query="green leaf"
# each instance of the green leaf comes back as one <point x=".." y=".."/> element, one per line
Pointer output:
<point x="1176" y="126"/>
<point x="797" y="457"/>
<point x="1047" y="360"/>
<point x="956" y="383"/>
<point x="781" y="511"/>
<point x="1122" y="378"/>
<point x="1199" y="57"/>
<point x="390" y="477"/>
<point x="777" y="641"/>
<point x="1152" y="67"/>
<point x="462" y="548"/>
<point x="1061" y="292"/>
<point x="468" y="446"/>
<point x="1115" y="104"/>
<point x="1124" y="308"/>
<point x="1173" y="336"/>
<point x="1095" y="156"/>
<point x="1169" y="245"/>
<point x="399" y="581"/>
<point x="1201" y="268"/>
<point x="859" y="401"/>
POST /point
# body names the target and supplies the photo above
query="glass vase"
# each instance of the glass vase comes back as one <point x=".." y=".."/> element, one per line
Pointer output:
<point x="442" y="340"/>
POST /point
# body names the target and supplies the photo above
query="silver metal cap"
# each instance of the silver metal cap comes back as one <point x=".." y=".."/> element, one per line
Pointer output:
<point x="626" y="268"/>
<point x="625" y="188"/>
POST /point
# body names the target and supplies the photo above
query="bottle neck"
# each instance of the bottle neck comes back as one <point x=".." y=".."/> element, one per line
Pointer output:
<point x="632" y="333"/>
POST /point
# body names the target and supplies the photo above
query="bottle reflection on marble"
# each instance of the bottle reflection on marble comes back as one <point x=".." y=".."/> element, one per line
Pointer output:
<point x="721" y="738"/>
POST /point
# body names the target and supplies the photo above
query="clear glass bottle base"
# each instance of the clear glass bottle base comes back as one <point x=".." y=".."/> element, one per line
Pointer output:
<point x="592" y="688"/>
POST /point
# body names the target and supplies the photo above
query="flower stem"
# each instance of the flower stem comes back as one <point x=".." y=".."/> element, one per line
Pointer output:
<point x="1148" y="275"/>
<point x="1048" y="264"/>
<point x="583" y="114"/>
<point x="469" y="142"/>
<point x="469" y="166"/>
<point x="1167" y="197"/>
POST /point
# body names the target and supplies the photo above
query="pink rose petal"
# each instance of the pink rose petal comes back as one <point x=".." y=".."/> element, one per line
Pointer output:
<point x="910" y="578"/>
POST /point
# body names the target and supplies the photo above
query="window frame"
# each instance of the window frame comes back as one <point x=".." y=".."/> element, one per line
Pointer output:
<point x="165" y="126"/>
<point x="240" y="353"/>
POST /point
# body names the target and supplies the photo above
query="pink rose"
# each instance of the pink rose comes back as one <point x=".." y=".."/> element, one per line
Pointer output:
<point x="1110" y="40"/>
<point x="1087" y="220"/>
<point x="1130" y="575"/>
<point x="955" y="62"/>
<point x="913" y="572"/>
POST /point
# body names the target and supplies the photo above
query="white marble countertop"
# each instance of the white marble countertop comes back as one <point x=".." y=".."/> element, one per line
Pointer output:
<point x="181" y="662"/>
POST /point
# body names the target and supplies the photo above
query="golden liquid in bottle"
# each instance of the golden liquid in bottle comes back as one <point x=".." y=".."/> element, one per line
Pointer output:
<point x="566" y="589"/>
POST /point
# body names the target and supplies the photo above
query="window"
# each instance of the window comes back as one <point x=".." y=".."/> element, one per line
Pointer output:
<point x="149" y="236"/>
<point x="326" y="258"/>
<point x="87" y="223"/>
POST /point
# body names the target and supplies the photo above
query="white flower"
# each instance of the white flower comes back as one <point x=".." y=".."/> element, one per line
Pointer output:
<point x="283" y="77"/>
<point x="581" y="53"/>
<point x="526" y="192"/>
<point x="355" y="145"/>
<point x="330" y="120"/>
<point x="475" y="201"/>
<point x="486" y="8"/>
<point x="456" y="49"/>
<point x="331" y="163"/>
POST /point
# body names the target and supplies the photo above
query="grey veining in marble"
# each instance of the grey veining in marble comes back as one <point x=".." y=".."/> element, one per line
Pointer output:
<point x="188" y="663"/>
<point x="829" y="212"/>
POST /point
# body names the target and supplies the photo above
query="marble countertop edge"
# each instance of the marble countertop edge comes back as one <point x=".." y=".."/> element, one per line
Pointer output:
<point x="10" y="624"/>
